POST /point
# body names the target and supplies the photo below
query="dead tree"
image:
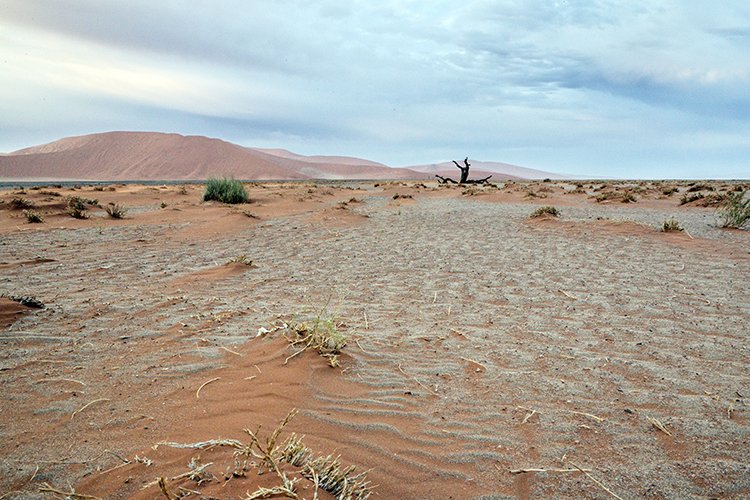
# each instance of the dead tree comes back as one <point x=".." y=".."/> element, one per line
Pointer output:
<point x="464" y="175"/>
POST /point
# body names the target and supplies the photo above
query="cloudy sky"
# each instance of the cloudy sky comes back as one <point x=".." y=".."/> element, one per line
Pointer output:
<point x="646" y="89"/>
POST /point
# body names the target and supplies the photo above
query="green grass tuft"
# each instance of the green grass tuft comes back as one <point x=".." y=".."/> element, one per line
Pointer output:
<point x="225" y="191"/>
<point x="735" y="212"/>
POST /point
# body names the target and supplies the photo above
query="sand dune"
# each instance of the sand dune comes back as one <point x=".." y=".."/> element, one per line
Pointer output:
<point x="159" y="156"/>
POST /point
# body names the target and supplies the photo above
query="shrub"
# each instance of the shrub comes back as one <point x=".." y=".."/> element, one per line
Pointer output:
<point x="688" y="198"/>
<point x="735" y="212"/>
<point x="20" y="204"/>
<point x="548" y="210"/>
<point x="669" y="191"/>
<point x="671" y="225"/>
<point x="116" y="211"/>
<point x="225" y="191"/>
<point x="33" y="217"/>
<point x="76" y="208"/>
<point x="629" y="197"/>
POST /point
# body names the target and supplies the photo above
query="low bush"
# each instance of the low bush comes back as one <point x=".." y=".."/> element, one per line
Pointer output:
<point x="735" y="212"/>
<point x="225" y="191"/>
<point x="20" y="204"/>
<point x="116" y="211"/>
<point x="33" y="217"/>
<point x="671" y="225"/>
<point x="548" y="210"/>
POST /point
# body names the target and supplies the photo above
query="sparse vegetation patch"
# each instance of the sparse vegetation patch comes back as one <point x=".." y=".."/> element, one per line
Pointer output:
<point x="116" y="211"/>
<point x="33" y="217"/>
<point x="225" y="191"/>
<point x="671" y="225"/>
<point x="735" y="212"/>
<point x="545" y="211"/>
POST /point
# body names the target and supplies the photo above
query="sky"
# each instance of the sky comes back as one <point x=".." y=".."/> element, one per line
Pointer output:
<point x="628" y="89"/>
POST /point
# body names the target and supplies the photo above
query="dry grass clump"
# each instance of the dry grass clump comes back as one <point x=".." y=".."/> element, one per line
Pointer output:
<point x="33" y="217"/>
<point x="20" y="204"/>
<point x="547" y="210"/>
<point x="321" y="335"/>
<point x="77" y="206"/>
<point x="268" y="454"/>
<point x="115" y="211"/>
<point x="735" y="211"/>
<point x="671" y="225"/>
<point x="240" y="259"/>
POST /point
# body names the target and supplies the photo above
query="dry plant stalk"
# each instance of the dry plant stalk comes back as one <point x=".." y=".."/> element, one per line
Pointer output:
<point x="656" y="423"/>
<point x="79" y="410"/>
<point x="598" y="483"/>
<point x="592" y="417"/>
<point x="204" y="384"/>
<point x="524" y="471"/>
<point x="67" y="495"/>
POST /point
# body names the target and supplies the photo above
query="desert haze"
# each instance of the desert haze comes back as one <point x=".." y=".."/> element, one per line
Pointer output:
<point x="159" y="156"/>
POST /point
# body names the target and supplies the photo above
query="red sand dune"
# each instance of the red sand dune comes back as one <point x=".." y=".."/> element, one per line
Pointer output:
<point x="159" y="156"/>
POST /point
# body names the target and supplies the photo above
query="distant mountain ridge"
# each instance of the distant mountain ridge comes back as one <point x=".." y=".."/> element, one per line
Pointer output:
<point x="161" y="156"/>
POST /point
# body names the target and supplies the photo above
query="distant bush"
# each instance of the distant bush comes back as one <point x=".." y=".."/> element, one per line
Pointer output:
<point x="116" y="211"/>
<point x="20" y="204"/>
<point x="735" y="212"/>
<point x="671" y="225"/>
<point x="548" y="210"/>
<point x="225" y="190"/>
<point x="77" y="208"/>
<point x="33" y="217"/>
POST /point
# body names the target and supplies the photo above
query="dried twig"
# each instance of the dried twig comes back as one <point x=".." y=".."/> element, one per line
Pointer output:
<point x="72" y="495"/>
<point x="567" y="294"/>
<point x="473" y="361"/>
<point x="524" y="471"/>
<point x="599" y="483"/>
<point x="592" y="417"/>
<point x="204" y="384"/>
<point x="79" y="410"/>
<point x="659" y="425"/>
<point x="59" y="380"/>
<point x="415" y="379"/>
<point x="229" y="350"/>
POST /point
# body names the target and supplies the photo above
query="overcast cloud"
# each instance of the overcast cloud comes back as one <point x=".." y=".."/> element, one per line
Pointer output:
<point x="605" y="88"/>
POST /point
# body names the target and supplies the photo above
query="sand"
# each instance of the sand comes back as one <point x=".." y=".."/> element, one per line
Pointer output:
<point x="482" y="343"/>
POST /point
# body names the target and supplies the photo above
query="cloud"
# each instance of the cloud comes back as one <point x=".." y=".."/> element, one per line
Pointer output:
<point x="552" y="84"/>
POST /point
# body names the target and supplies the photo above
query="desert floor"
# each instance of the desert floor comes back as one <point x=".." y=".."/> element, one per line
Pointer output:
<point x="482" y="343"/>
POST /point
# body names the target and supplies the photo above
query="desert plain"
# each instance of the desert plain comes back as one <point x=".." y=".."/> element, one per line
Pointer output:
<point x="489" y="354"/>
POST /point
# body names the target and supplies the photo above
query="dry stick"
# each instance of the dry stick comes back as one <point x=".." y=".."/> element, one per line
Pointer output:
<point x="599" y="483"/>
<point x="528" y="416"/>
<point x="593" y="417"/>
<point x="473" y="361"/>
<point x="66" y="494"/>
<point x="79" y="410"/>
<point x="567" y="294"/>
<point x="457" y="332"/>
<point x="198" y="392"/>
<point x="295" y="354"/>
<point x="659" y="426"/>
<point x="359" y="345"/>
<point x="229" y="350"/>
<point x="59" y="380"/>
<point x="367" y="326"/>
<point x="524" y="471"/>
<point x="691" y="237"/>
<point x="415" y="379"/>
<point x="250" y="377"/>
